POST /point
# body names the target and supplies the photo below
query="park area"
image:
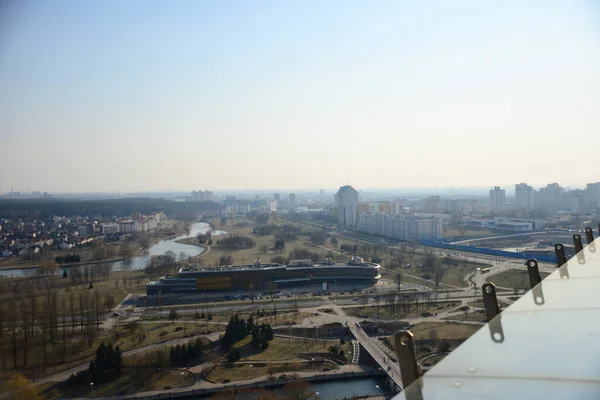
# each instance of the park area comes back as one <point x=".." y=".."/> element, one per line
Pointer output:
<point x="514" y="279"/>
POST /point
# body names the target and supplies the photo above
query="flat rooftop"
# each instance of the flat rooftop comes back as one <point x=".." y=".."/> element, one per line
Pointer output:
<point x="242" y="267"/>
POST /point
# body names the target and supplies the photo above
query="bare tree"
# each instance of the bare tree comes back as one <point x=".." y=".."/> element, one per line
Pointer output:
<point x="109" y="302"/>
<point x="133" y="327"/>
<point x="438" y="275"/>
<point x="83" y="301"/>
<point x="25" y="324"/>
<point x="271" y="289"/>
<point x="63" y="313"/>
<point x="182" y="256"/>
<point x="398" y="279"/>
<point x="172" y="315"/>
<point x="298" y="390"/>
<point x="364" y="299"/>
<point x="3" y="315"/>
<point x="71" y="302"/>
<point x="432" y="335"/>
<point x="33" y="308"/>
<point x="144" y="241"/>
<point x="126" y="250"/>
<point x="51" y="303"/>
<point x="12" y="324"/>
<point x="97" y="299"/>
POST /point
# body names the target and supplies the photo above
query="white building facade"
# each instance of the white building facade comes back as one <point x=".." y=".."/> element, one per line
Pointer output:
<point x="401" y="228"/>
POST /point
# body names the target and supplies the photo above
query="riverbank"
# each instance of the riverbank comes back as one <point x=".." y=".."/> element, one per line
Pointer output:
<point x="66" y="265"/>
<point x="173" y="229"/>
<point x="165" y="241"/>
<point x="203" y="389"/>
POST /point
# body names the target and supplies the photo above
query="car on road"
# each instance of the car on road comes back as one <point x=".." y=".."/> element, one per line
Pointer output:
<point x="355" y="299"/>
<point x="116" y="314"/>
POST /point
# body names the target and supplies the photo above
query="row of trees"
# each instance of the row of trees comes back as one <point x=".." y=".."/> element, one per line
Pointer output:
<point x="261" y="335"/>
<point x="203" y="238"/>
<point x="238" y="328"/>
<point x="182" y="354"/>
<point x="42" y="324"/>
<point x="236" y="242"/>
<point x="398" y="305"/>
<point x="235" y="331"/>
<point x="68" y="258"/>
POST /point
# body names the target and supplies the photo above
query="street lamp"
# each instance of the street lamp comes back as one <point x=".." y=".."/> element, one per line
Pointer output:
<point x="92" y="386"/>
<point x="182" y="374"/>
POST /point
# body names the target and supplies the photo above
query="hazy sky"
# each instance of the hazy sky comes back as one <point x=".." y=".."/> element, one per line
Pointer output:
<point x="147" y="95"/>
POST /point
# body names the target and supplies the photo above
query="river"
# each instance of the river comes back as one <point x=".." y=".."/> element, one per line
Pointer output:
<point x="348" y="388"/>
<point x="336" y="389"/>
<point x="140" y="261"/>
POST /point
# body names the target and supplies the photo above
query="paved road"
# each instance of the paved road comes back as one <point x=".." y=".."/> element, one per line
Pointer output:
<point x="507" y="236"/>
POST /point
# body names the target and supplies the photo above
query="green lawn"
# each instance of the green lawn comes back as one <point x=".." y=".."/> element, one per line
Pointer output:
<point x="518" y="278"/>
<point x="238" y="372"/>
<point x="479" y="303"/>
<point x="424" y="330"/>
<point x="284" y="349"/>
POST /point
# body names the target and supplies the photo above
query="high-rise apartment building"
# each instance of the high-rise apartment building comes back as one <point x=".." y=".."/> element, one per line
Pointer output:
<point x="551" y="197"/>
<point x="497" y="200"/>
<point x="202" y="195"/>
<point x="277" y="197"/>
<point x="347" y="202"/>
<point x="397" y="207"/>
<point x="292" y="200"/>
<point x="401" y="228"/>
<point x="433" y="204"/>
<point x="524" y="196"/>
<point x="592" y="196"/>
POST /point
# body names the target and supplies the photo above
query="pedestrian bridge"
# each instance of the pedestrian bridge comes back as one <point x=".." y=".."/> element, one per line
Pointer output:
<point x="383" y="356"/>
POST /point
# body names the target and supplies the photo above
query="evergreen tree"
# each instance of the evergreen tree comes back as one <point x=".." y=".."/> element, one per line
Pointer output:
<point x="269" y="332"/>
<point x="250" y="324"/>
<point x="117" y="359"/>
<point x="92" y="371"/>
<point x="178" y="357"/>
<point x="256" y="339"/>
<point x="109" y="363"/>
<point x="190" y="351"/>
<point x="100" y="362"/>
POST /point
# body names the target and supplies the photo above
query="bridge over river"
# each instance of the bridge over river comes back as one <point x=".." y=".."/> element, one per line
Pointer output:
<point x="385" y="357"/>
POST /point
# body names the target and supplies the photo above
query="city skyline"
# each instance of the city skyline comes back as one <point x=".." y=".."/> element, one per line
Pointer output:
<point x="116" y="96"/>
